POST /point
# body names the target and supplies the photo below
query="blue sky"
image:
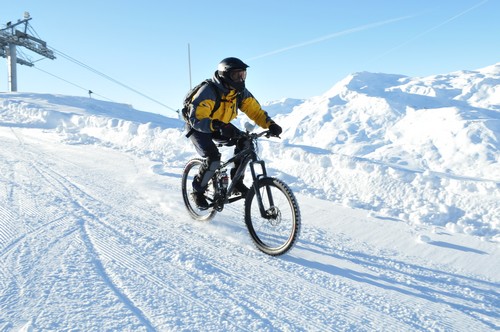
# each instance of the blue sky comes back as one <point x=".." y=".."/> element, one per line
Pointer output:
<point x="295" y="48"/>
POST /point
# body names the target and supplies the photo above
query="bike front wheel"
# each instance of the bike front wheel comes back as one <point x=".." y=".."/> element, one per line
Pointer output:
<point x="274" y="226"/>
<point x="190" y="171"/>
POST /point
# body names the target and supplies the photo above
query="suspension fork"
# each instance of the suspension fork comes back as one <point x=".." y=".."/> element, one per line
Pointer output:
<point x="256" y="176"/>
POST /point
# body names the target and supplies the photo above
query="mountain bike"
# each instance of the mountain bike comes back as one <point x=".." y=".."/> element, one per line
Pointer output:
<point x="272" y="214"/>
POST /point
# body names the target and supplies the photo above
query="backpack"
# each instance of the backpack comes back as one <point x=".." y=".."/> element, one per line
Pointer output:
<point x="192" y="92"/>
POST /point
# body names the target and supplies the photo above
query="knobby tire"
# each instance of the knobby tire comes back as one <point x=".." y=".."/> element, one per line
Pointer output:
<point x="273" y="235"/>
<point x="190" y="170"/>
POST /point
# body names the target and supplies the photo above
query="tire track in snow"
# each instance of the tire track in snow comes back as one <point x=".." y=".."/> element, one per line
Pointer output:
<point x="9" y="229"/>
<point x="360" y="290"/>
<point x="300" y="294"/>
<point x="179" y="272"/>
<point x="58" y="182"/>
<point x="101" y="270"/>
<point x="9" y="214"/>
<point x="22" y="214"/>
<point x="408" y="280"/>
<point x="191" y="299"/>
<point x="76" y="195"/>
<point x="153" y="267"/>
<point x="35" y="268"/>
<point x="227" y="260"/>
<point x="227" y="263"/>
<point x="179" y="269"/>
<point x="233" y="262"/>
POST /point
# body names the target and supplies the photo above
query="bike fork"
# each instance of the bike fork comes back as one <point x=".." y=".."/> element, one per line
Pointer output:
<point x="256" y="176"/>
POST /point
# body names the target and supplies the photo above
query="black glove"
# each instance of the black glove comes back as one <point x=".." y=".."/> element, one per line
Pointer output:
<point x="225" y="129"/>
<point x="274" y="129"/>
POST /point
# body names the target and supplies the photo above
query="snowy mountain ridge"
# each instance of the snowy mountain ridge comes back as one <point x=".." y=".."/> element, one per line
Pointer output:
<point x="370" y="114"/>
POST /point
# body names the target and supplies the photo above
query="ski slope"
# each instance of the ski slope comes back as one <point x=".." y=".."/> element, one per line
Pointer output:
<point x="94" y="235"/>
<point x="97" y="239"/>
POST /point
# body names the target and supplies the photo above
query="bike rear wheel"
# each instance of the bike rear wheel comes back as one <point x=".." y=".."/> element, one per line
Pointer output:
<point x="190" y="171"/>
<point x="275" y="232"/>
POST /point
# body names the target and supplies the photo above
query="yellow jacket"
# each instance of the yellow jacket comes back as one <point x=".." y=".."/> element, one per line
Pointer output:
<point x="201" y="111"/>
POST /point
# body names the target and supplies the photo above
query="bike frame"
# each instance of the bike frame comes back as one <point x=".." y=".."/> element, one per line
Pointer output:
<point x="248" y="157"/>
<point x="271" y="211"/>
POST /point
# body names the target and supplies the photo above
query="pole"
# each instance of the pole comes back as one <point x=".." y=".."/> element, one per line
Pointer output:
<point x="12" y="62"/>
<point x="189" y="63"/>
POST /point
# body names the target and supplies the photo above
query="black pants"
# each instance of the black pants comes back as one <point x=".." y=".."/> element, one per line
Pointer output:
<point x="207" y="148"/>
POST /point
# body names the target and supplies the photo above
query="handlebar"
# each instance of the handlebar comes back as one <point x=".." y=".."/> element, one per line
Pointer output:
<point x="266" y="133"/>
<point x="246" y="134"/>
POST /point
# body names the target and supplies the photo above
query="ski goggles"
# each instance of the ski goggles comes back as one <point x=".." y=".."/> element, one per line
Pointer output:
<point x="238" y="75"/>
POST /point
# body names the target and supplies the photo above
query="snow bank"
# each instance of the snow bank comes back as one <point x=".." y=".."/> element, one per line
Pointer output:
<point x="419" y="150"/>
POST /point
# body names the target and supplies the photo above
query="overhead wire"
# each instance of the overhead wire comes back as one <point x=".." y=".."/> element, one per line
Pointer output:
<point x="74" y="84"/>
<point x="99" y="73"/>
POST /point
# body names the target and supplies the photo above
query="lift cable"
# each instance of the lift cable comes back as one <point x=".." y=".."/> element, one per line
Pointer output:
<point x="74" y="84"/>
<point x="95" y="71"/>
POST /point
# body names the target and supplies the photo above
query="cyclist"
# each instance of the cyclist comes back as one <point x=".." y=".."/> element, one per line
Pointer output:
<point x="206" y="124"/>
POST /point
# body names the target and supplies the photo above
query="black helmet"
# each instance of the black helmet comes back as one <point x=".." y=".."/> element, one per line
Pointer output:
<point x="229" y="65"/>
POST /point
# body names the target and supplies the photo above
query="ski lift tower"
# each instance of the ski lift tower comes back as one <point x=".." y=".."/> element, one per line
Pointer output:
<point x="10" y="38"/>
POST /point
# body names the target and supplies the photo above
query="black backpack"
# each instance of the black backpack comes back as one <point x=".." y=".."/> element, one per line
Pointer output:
<point x="192" y="92"/>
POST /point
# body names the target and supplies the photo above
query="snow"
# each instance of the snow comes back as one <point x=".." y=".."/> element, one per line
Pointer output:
<point x="397" y="178"/>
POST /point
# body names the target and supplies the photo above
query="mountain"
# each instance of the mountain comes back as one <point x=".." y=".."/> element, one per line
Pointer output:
<point x="443" y="123"/>
<point x="397" y="179"/>
<point x="374" y="140"/>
